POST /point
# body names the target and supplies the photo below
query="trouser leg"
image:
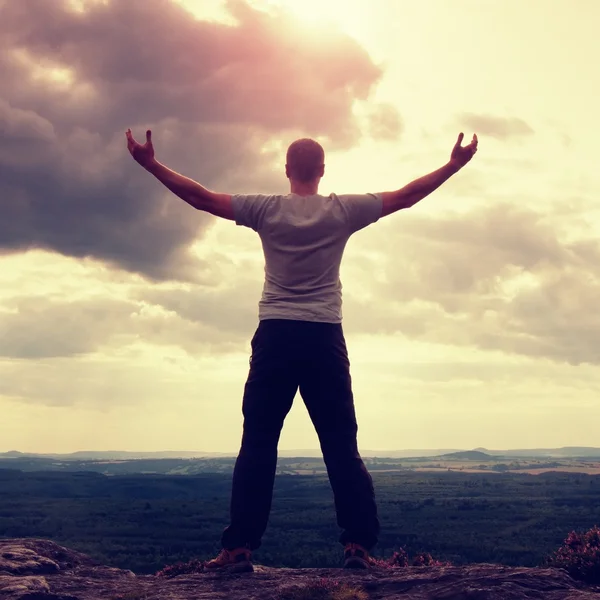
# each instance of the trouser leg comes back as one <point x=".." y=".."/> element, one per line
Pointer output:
<point x="326" y="388"/>
<point x="268" y="396"/>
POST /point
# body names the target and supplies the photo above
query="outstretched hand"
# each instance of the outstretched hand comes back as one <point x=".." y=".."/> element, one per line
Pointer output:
<point x="143" y="154"/>
<point x="461" y="155"/>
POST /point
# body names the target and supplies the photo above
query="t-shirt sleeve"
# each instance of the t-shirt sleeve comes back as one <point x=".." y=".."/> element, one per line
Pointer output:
<point x="362" y="209"/>
<point x="249" y="209"/>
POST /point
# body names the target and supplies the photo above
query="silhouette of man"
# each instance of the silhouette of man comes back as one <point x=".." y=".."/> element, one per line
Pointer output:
<point x="299" y="343"/>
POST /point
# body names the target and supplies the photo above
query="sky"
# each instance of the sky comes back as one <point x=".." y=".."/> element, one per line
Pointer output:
<point x="126" y="316"/>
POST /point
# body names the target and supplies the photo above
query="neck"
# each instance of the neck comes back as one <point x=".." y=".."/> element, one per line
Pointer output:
<point x="304" y="188"/>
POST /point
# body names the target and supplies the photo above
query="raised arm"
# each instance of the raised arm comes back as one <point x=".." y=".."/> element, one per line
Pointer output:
<point x="187" y="189"/>
<point x="418" y="189"/>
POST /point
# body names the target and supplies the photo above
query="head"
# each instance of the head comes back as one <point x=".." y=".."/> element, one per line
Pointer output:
<point x="305" y="162"/>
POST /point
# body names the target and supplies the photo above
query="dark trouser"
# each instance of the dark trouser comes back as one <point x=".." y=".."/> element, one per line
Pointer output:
<point x="287" y="355"/>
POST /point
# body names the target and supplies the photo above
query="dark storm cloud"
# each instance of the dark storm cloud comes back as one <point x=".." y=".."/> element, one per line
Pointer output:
<point x="212" y="93"/>
<point x="497" y="127"/>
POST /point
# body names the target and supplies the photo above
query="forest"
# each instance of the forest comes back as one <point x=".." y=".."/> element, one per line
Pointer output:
<point x="144" y="522"/>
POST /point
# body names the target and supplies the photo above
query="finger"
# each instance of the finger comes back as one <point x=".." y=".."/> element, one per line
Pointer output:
<point x="130" y="138"/>
<point x="148" y="137"/>
<point x="458" y="141"/>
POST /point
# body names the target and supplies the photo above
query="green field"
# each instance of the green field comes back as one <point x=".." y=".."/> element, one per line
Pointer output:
<point x="145" y="521"/>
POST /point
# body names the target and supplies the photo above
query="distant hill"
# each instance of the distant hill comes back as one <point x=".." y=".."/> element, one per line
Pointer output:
<point x="116" y="455"/>
<point x="468" y="455"/>
<point x="476" y="454"/>
<point x="128" y="455"/>
<point x="564" y="452"/>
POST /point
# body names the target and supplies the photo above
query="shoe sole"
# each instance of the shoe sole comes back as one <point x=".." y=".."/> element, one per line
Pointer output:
<point x="244" y="567"/>
<point x="241" y="567"/>
<point x="355" y="563"/>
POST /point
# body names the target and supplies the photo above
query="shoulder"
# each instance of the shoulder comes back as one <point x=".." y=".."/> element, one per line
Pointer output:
<point x="363" y="197"/>
<point x="250" y="209"/>
<point x="360" y="209"/>
<point x="255" y="198"/>
<point x="243" y="202"/>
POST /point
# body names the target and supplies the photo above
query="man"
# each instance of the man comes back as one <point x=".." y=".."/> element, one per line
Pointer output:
<point x="299" y="343"/>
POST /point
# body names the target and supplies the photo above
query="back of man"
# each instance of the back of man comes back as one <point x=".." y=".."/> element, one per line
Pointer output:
<point x="303" y="239"/>
<point x="299" y="343"/>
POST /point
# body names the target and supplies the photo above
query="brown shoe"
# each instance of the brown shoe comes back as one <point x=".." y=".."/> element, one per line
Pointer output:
<point x="356" y="557"/>
<point x="237" y="560"/>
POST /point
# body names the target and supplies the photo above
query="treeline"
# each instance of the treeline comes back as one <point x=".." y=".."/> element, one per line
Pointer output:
<point x="144" y="522"/>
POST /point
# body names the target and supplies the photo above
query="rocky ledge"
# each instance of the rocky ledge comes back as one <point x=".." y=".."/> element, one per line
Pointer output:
<point x="32" y="569"/>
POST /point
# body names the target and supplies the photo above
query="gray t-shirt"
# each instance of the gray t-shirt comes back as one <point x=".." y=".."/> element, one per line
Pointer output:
<point x="303" y="239"/>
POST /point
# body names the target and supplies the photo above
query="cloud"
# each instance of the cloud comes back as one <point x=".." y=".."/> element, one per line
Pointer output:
<point x="504" y="278"/>
<point x="215" y="95"/>
<point x="220" y="309"/>
<point x="201" y="322"/>
<point x="501" y="128"/>
<point x="129" y="379"/>
<point x="385" y="122"/>
<point x="38" y="327"/>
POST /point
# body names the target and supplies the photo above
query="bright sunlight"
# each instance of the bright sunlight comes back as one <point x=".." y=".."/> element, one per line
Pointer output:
<point x="351" y="16"/>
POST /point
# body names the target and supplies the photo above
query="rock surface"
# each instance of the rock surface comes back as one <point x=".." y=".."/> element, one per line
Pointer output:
<point x="32" y="569"/>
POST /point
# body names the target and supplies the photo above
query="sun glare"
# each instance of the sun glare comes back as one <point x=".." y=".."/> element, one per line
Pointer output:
<point x="351" y="16"/>
<point x="207" y="10"/>
<point x="348" y="15"/>
<point x="55" y="74"/>
<point x="310" y="10"/>
<point x="81" y="6"/>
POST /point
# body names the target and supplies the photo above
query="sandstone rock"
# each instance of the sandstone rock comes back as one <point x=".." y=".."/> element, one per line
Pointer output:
<point x="19" y="586"/>
<point x="30" y="557"/>
<point x="33" y="569"/>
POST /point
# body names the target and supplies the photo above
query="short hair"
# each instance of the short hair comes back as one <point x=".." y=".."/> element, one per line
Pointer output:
<point x="304" y="159"/>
